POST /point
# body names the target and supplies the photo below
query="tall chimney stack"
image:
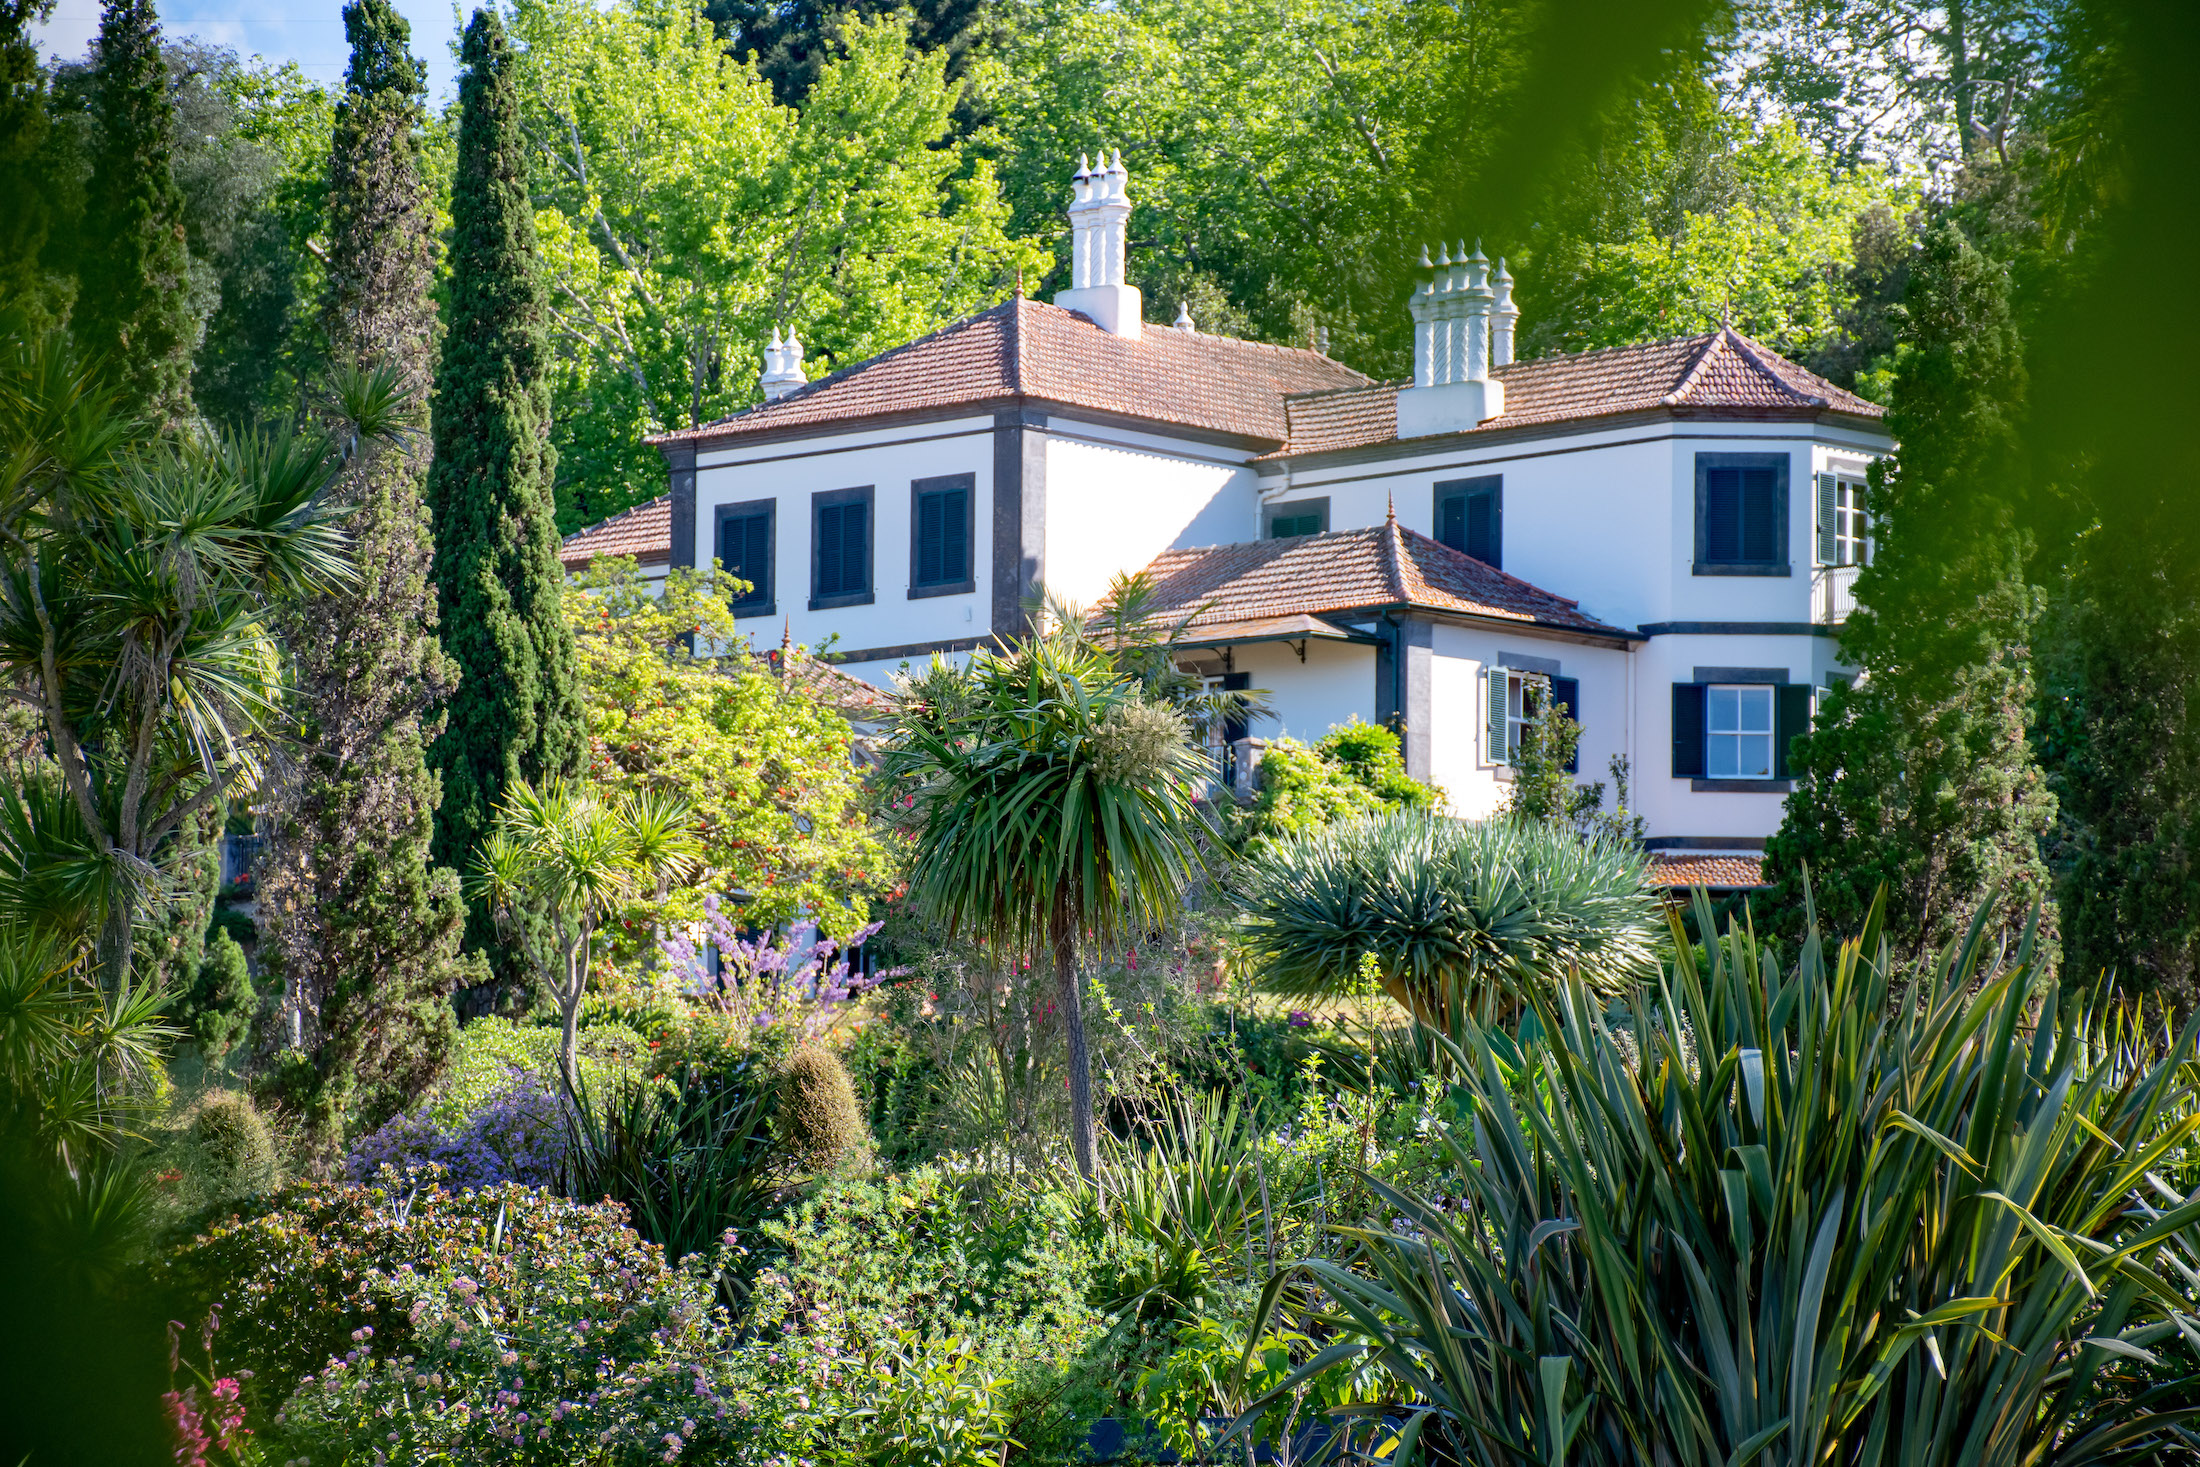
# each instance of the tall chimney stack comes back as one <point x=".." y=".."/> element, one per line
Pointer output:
<point x="1099" y="211"/>
<point x="782" y="366"/>
<point x="1462" y="327"/>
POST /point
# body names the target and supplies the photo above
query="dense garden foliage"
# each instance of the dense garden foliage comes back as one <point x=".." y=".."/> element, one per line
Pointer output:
<point x="614" y="1054"/>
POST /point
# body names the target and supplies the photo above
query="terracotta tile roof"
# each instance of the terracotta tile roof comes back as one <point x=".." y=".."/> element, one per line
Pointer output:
<point x="1721" y="372"/>
<point x="1720" y="872"/>
<point x="1349" y="570"/>
<point x="848" y="695"/>
<point x="1025" y="348"/>
<point x="644" y="532"/>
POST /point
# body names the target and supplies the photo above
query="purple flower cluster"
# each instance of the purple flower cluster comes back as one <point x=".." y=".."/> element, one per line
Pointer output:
<point x="806" y="976"/>
<point x="519" y="1136"/>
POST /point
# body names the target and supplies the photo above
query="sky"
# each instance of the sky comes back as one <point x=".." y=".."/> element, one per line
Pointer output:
<point x="310" y="33"/>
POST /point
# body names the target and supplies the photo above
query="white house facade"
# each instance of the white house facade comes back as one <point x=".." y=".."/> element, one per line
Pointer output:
<point x="1663" y="536"/>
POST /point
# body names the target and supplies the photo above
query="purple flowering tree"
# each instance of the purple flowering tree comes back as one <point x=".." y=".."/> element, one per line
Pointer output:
<point x="803" y="977"/>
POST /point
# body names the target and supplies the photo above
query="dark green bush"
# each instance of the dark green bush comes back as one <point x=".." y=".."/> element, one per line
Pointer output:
<point x="228" y="1151"/>
<point x="228" y="919"/>
<point x="219" y="1009"/>
<point x="819" y="1125"/>
<point x="689" y="1156"/>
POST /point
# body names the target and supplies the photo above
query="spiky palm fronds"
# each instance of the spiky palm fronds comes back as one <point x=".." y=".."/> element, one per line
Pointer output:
<point x="1451" y="912"/>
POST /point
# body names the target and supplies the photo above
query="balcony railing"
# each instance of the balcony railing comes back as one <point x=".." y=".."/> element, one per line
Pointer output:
<point x="1832" y="593"/>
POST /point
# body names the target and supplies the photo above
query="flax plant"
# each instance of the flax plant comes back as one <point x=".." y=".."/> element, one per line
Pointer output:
<point x="1844" y="1213"/>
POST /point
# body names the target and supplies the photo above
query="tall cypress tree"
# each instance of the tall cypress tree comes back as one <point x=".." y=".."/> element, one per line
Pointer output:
<point x="362" y="931"/>
<point x="1921" y="776"/>
<point x="24" y="128"/>
<point x="516" y="714"/>
<point x="132" y="307"/>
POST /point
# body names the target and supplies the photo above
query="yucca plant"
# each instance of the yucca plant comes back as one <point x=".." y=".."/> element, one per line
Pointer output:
<point x="1456" y="916"/>
<point x="1842" y="1214"/>
<point x="689" y="1156"/>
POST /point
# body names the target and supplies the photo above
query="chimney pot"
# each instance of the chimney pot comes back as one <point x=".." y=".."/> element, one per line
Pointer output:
<point x="782" y="366"/>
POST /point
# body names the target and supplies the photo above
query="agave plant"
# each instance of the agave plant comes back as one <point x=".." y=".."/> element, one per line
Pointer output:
<point x="1456" y="917"/>
<point x="1857" y="1217"/>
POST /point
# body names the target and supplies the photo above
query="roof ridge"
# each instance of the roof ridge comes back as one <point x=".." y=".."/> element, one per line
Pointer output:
<point x="1755" y="353"/>
<point x="1696" y="369"/>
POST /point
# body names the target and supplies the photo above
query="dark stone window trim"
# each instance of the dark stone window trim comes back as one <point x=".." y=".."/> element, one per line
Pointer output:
<point x="918" y="488"/>
<point x="1703" y="565"/>
<point x="826" y="498"/>
<point x="766" y="604"/>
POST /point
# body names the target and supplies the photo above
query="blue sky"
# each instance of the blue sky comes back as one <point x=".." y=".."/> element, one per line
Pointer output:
<point x="311" y="34"/>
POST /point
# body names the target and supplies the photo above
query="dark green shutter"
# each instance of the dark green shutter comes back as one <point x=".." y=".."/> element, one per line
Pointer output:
<point x="745" y="550"/>
<point x="1761" y="517"/>
<point x="1566" y="694"/>
<point x="1498" y="742"/>
<point x="955" y="536"/>
<point x="1451" y="522"/>
<point x="931" y="539"/>
<point x="1483" y="539"/>
<point x="1828" y="544"/>
<point x="1722" y="516"/>
<point x="1790" y="718"/>
<point x="1688" y="730"/>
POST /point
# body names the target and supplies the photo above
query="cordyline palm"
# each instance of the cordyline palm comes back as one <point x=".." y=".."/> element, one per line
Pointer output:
<point x="136" y="575"/>
<point x="1843" y="1215"/>
<point x="558" y="861"/>
<point x="1054" y="809"/>
<point x="1458" y="917"/>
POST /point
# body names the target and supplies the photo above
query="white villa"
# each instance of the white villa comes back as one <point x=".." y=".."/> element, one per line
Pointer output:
<point x="1666" y="532"/>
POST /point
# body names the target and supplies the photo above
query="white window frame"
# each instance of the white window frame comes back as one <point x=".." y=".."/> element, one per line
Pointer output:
<point x="1852" y="533"/>
<point x="1740" y="732"/>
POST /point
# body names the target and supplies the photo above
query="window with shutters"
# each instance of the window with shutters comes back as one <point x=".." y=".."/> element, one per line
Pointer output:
<point x="1741" y="514"/>
<point x="1844" y="528"/>
<point x="941" y="528"/>
<point x="1470" y="517"/>
<point x="1738" y="731"/>
<point x="840" y="548"/>
<point x="745" y="549"/>
<point x="1299" y="517"/>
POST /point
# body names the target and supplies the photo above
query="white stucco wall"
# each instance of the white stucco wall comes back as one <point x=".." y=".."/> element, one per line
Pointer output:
<point x="888" y="460"/>
<point x="1457" y="711"/>
<point x="1334" y="685"/>
<point x="1115" y="500"/>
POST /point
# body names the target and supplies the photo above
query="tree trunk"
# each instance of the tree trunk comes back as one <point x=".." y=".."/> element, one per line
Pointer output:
<point x="569" y="1003"/>
<point x="1081" y="1136"/>
<point x="117" y="931"/>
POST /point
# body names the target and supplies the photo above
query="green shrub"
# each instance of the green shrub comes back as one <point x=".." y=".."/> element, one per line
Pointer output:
<point x="228" y="919"/>
<point x="1352" y="771"/>
<point x="865" y="1258"/>
<point x="928" y="1402"/>
<point x="819" y="1126"/>
<point x="491" y="1049"/>
<point x="227" y="1151"/>
<point x="503" y="1325"/>
<point x="220" y="1008"/>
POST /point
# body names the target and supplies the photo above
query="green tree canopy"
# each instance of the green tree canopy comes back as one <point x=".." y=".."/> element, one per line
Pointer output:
<point x="685" y="215"/>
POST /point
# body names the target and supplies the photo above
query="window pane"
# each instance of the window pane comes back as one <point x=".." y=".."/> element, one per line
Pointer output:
<point x="1753" y="755"/>
<point x="1756" y="710"/>
<point x="1720" y="751"/>
<point x="1724" y="715"/>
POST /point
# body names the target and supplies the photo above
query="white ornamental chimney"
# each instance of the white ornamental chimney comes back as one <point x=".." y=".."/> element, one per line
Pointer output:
<point x="1502" y="319"/>
<point x="1461" y="328"/>
<point x="782" y="366"/>
<point x="1099" y="211"/>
